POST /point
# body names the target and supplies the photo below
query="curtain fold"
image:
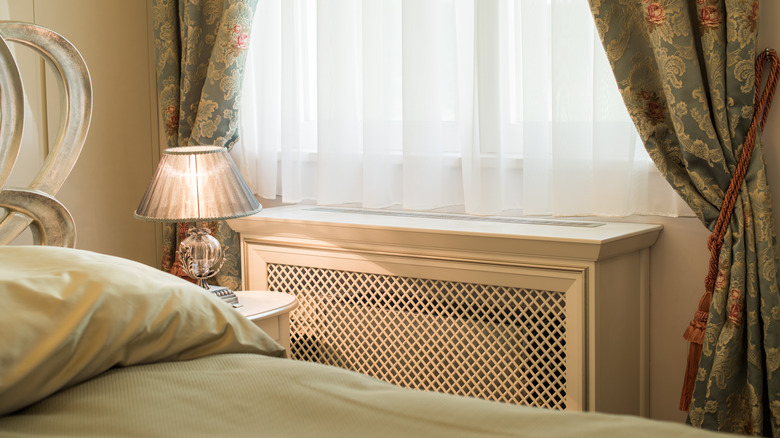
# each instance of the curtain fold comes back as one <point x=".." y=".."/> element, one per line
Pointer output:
<point x="485" y="107"/>
<point x="200" y="59"/>
<point x="686" y="73"/>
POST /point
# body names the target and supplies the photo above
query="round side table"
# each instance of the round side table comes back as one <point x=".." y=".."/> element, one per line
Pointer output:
<point x="270" y="311"/>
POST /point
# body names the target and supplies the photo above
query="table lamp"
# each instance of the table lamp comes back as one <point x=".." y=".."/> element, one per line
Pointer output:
<point x="198" y="184"/>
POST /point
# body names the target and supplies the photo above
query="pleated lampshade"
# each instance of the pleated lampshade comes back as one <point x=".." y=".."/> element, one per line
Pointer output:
<point x="196" y="183"/>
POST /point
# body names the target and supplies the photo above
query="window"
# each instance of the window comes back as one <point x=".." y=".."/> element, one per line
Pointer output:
<point x="485" y="107"/>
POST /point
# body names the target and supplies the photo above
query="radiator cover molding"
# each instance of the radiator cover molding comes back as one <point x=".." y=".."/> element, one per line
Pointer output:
<point x="263" y="260"/>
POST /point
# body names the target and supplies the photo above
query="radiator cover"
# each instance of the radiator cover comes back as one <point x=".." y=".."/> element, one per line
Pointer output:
<point x="517" y="311"/>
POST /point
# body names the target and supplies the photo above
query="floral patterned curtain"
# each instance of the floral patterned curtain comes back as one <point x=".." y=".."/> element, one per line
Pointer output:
<point x="686" y="72"/>
<point x="200" y="47"/>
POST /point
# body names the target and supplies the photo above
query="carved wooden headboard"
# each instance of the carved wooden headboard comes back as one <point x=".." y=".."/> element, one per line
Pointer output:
<point x="35" y="205"/>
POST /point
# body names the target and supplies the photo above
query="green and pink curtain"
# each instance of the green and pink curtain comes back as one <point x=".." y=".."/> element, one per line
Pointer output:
<point x="200" y="57"/>
<point x="686" y="71"/>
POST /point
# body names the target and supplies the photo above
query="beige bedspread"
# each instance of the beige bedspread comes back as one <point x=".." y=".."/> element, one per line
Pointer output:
<point x="242" y="395"/>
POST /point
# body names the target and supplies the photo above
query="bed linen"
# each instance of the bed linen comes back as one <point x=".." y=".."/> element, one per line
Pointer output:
<point x="98" y="346"/>
<point x="243" y="395"/>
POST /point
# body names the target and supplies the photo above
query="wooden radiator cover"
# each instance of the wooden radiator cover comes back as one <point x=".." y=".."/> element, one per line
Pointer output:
<point x="540" y="313"/>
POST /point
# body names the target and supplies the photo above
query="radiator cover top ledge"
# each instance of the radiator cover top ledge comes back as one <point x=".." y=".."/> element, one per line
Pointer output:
<point x="448" y="232"/>
<point x="544" y="313"/>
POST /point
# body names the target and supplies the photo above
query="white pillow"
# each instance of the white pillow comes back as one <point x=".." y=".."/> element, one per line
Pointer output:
<point x="67" y="315"/>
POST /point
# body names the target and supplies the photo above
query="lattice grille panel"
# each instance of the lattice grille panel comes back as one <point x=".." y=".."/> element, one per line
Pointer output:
<point x="492" y="342"/>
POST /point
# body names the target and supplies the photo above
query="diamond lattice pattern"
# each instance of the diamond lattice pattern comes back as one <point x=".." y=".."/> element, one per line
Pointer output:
<point x="493" y="342"/>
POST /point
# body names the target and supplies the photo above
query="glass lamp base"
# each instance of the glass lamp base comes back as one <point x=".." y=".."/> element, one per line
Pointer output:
<point x="202" y="257"/>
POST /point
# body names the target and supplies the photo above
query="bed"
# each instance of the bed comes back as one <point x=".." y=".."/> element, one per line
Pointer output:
<point x="93" y="345"/>
<point x="97" y="346"/>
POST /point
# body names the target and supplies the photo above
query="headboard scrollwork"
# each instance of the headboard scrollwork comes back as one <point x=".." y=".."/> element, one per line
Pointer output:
<point x="35" y="205"/>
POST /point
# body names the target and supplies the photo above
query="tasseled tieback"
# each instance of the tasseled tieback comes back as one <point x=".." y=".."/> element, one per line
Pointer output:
<point x="695" y="331"/>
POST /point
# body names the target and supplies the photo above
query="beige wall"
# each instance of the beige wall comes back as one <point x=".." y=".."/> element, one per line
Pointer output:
<point x="121" y="148"/>
<point x="678" y="264"/>
<point x="121" y="152"/>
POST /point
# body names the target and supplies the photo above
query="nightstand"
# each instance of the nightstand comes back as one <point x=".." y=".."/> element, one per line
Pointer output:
<point x="270" y="311"/>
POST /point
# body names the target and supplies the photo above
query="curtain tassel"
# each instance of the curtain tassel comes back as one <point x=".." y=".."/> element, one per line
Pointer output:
<point x="695" y="335"/>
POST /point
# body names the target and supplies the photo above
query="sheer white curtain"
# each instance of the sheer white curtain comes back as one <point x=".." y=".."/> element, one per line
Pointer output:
<point x="481" y="106"/>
